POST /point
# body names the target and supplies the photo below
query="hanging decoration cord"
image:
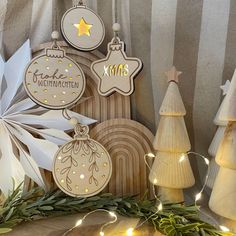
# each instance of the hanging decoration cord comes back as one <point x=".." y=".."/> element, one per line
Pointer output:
<point x="116" y="25"/>
<point x="55" y="33"/>
<point x="65" y="114"/>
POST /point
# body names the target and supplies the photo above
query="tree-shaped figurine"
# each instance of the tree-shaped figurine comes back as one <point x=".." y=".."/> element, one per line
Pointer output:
<point x="214" y="168"/>
<point x="223" y="196"/>
<point x="171" y="169"/>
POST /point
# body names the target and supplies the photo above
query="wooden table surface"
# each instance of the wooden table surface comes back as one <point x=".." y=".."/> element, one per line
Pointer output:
<point x="90" y="227"/>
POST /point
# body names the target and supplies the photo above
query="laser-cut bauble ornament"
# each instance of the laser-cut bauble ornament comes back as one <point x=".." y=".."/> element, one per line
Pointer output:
<point x="54" y="80"/>
<point x="117" y="71"/>
<point x="82" y="167"/>
<point x="82" y="28"/>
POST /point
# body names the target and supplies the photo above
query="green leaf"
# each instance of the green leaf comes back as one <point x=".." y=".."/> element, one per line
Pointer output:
<point x="5" y="230"/>
<point x="46" y="208"/>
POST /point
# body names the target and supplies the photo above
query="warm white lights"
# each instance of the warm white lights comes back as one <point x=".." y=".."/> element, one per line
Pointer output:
<point x="198" y="196"/>
<point x="160" y="207"/>
<point x="207" y="161"/>
<point x="155" y="181"/>
<point x="78" y="223"/>
<point x="182" y="158"/>
<point x="101" y="233"/>
<point x="112" y="214"/>
<point x="82" y="176"/>
<point x="224" y="228"/>
<point x="129" y="232"/>
<point x="151" y="155"/>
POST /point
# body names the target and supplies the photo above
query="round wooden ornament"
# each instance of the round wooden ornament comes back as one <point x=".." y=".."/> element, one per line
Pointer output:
<point x="82" y="167"/>
<point x="82" y="28"/>
<point x="54" y="80"/>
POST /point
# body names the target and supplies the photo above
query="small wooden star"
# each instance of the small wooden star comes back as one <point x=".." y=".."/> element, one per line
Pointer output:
<point x="173" y="75"/>
<point x="83" y="27"/>
<point x="225" y="87"/>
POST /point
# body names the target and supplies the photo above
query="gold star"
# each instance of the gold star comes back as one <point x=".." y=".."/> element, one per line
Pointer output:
<point x="83" y="27"/>
<point x="173" y="75"/>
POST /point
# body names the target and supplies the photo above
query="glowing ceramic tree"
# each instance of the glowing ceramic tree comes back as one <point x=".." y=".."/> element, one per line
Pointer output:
<point x="222" y="200"/>
<point x="214" y="168"/>
<point x="170" y="170"/>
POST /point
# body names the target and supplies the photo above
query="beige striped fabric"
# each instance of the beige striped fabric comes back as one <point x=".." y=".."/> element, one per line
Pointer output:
<point x="197" y="36"/>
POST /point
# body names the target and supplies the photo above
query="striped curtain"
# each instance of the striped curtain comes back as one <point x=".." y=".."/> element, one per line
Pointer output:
<point x="197" y="36"/>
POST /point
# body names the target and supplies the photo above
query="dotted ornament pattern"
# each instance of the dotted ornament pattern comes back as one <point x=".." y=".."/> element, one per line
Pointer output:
<point x="82" y="28"/>
<point x="82" y="167"/>
<point x="54" y="80"/>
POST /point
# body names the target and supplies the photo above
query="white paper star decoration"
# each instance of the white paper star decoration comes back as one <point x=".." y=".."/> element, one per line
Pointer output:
<point x="116" y="71"/>
<point x="21" y="120"/>
<point x="225" y="87"/>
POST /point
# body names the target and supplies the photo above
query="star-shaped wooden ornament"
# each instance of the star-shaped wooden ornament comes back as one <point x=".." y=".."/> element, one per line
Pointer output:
<point x="225" y="87"/>
<point x="173" y="74"/>
<point x="83" y="27"/>
<point x="116" y="71"/>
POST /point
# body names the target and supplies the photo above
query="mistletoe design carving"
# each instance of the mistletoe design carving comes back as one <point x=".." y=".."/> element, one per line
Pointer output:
<point x="82" y="167"/>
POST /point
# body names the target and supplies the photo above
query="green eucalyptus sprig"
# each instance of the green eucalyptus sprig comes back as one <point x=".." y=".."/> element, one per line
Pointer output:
<point x="173" y="220"/>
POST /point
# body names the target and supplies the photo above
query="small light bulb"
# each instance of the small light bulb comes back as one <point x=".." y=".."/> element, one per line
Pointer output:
<point x="155" y="181"/>
<point x="150" y="155"/>
<point x="182" y="157"/>
<point x="79" y="222"/>
<point x="224" y="228"/>
<point x="160" y="207"/>
<point x="207" y="161"/>
<point x="102" y="233"/>
<point x="198" y="196"/>
<point x="129" y="231"/>
<point x="112" y="214"/>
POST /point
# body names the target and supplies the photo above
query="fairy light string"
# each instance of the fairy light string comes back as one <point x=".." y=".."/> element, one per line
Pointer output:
<point x="101" y="233"/>
<point x="159" y="203"/>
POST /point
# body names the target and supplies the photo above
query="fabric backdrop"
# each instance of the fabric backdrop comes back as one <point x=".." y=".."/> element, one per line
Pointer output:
<point x="197" y="36"/>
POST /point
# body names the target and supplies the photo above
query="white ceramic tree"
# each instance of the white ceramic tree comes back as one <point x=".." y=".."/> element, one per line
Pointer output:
<point x="222" y="200"/>
<point x="170" y="171"/>
<point x="214" y="168"/>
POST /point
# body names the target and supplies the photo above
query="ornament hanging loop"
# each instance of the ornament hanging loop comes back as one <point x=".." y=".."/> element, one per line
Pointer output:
<point x="78" y="3"/>
<point x="116" y="29"/>
<point x="81" y="132"/>
<point x="55" y="37"/>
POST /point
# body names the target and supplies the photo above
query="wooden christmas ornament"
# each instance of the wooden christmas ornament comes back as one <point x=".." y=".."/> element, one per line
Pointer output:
<point x="82" y="167"/>
<point x="53" y="80"/>
<point x="172" y="104"/>
<point x="127" y="142"/>
<point x="228" y="110"/>
<point x="222" y="200"/>
<point x="82" y="28"/>
<point x="169" y="141"/>
<point x="171" y="170"/>
<point x="213" y="148"/>
<point x="226" y="153"/>
<point x="116" y="72"/>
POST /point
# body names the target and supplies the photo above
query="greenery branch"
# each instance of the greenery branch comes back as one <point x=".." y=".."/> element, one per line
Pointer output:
<point x="173" y="220"/>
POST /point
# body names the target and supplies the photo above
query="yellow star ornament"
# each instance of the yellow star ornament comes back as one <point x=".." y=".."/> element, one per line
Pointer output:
<point x="83" y="27"/>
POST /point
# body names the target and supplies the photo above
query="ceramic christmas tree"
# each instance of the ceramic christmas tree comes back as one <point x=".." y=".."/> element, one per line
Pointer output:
<point x="171" y="169"/>
<point x="214" y="168"/>
<point x="222" y="200"/>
